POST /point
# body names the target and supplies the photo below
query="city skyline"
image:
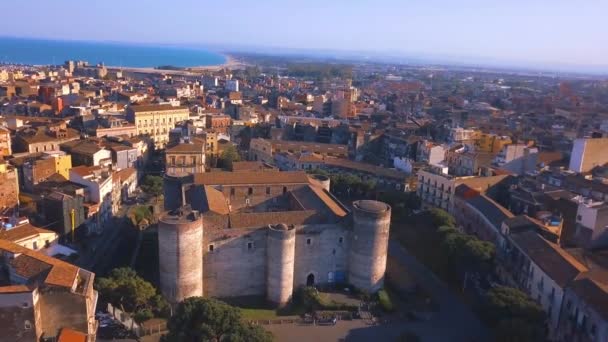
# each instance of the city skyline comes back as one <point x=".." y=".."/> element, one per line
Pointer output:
<point x="556" y="34"/>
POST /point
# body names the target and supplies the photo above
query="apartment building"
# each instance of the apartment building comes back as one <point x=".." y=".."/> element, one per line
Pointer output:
<point x="156" y="121"/>
<point x="185" y="158"/>
<point x="99" y="185"/>
<point x="263" y="149"/>
<point x="44" y="296"/>
<point x="538" y="267"/>
<point x="436" y="188"/>
<point x="588" y="153"/>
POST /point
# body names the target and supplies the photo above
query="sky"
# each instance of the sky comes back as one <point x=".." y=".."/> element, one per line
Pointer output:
<point x="524" y="32"/>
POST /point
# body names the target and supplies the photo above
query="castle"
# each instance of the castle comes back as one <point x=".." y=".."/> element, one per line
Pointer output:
<point x="266" y="232"/>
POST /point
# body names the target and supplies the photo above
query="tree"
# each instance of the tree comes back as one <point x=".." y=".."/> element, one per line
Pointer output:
<point x="199" y="319"/>
<point x="441" y="217"/>
<point x="124" y="288"/>
<point x="513" y="315"/>
<point x="153" y="185"/>
<point x="228" y="156"/>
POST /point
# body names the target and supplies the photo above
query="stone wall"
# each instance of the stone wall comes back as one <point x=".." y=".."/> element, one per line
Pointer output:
<point x="321" y="250"/>
<point x="237" y="265"/>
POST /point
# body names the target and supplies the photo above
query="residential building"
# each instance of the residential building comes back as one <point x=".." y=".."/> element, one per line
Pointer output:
<point x="29" y="236"/>
<point x="185" y="158"/>
<point x="99" y="184"/>
<point x="9" y="186"/>
<point x="263" y="149"/>
<point x="41" y="139"/>
<point x="591" y="223"/>
<point x="538" y="267"/>
<point x="584" y="315"/>
<point x="232" y="85"/>
<point x="65" y="210"/>
<point x="156" y="120"/>
<point x="517" y="158"/>
<point x="44" y="295"/>
<point x="491" y="143"/>
<point x="436" y="188"/>
<point x="87" y="153"/>
<point x="5" y="142"/>
<point x="588" y="153"/>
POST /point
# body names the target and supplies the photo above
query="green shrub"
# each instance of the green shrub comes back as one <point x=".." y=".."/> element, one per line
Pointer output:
<point x="385" y="301"/>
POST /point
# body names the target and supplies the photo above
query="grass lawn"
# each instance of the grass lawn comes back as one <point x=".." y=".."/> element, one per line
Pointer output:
<point x="256" y="308"/>
<point x="258" y="314"/>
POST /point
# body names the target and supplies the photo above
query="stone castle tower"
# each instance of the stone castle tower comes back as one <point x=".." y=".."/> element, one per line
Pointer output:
<point x="281" y="254"/>
<point x="369" y="245"/>
<point x="180" y="233"/>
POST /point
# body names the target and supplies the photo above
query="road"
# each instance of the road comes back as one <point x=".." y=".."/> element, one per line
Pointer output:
<point x="101" y="252"/>
<point x="455" y="321"/>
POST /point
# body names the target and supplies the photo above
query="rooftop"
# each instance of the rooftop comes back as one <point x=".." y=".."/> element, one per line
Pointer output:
<point x="34" y="266"/>
<point x="558" y="264"/>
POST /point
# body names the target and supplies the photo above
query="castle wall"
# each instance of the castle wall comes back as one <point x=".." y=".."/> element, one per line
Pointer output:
<point x="235" y="268"/>
<point x="320" y="252"/>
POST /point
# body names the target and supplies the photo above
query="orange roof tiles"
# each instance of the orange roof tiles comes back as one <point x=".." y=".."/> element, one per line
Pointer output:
<point x="70" y="335"/>
<point x="245" y="178"/>
<point x="32" y="264"/>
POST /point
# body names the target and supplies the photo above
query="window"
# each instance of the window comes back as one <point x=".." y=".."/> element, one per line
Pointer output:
<point x="211" y="248"/>
<point x="231" y="191"/>
<point x="250" y="245"/>
<point x="284" y="190"/>
<point x="267" y="190"/>
<point x="250" y="191"/>
<point x="340" y="239"/>
<point x="27" y="325"/>
<point x="35" y="245"/>
<point x="309" y="241"/>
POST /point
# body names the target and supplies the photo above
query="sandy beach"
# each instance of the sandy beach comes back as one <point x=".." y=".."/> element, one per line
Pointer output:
<point x="231" y="64"/>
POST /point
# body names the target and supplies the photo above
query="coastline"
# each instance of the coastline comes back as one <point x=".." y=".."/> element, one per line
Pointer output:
<point x="231" y="63"/>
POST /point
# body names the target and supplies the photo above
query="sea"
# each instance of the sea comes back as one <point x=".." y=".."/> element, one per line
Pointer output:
<point x="54" y="52"/>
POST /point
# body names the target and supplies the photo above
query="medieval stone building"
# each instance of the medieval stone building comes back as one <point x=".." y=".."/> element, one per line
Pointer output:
<point x="266" y="233"/>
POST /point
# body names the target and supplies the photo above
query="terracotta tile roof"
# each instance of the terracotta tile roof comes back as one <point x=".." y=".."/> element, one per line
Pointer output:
<point x="245" y="178"/>
<point x="41" y="135"/>
<point x="70" y="335"/>
<point x="258" y="220"/>
<point x="216" y="201"/>
<point x="15" y="289"/>
<point x="592" y="289"/>
<point x="249" y="166"/>
<point x="314" y="198"/>
<point x="32" y="264"/>
<point x="367" y="168"/>
<point x="22" y="232"/>
<point x="188" y="148"/>
<point x="84" y="170"/>
<point x="124" y="173"/>
<point x="558" y="264"/>
<point x="158" y="108"/>
<point x="494" y="212"/>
